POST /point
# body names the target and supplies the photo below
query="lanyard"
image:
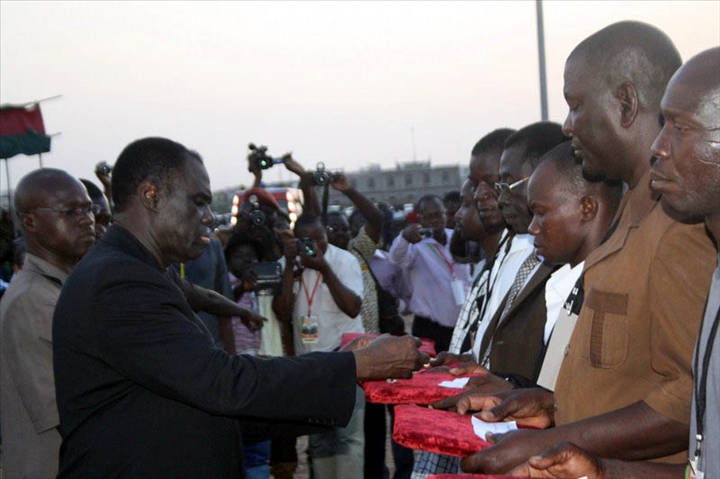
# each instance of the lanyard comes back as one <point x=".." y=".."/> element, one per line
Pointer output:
<point x="701" y="385"/>
<point x="436" y="249"/>
<point x="310" y="297"/>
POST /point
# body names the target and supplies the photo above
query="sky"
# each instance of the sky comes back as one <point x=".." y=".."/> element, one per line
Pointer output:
<point x="350" y="84"/>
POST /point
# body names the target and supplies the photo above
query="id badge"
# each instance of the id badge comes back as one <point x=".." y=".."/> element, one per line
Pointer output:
<point x="309" y="329"/>
<point x="693" y="472"/>
<point x="458" y="291"/>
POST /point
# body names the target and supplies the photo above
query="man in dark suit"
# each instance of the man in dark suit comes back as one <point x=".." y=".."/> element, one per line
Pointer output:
<point x="141" y="389"/>
<point x="511" y="342"/>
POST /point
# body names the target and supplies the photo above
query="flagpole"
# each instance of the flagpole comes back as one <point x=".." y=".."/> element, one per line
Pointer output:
<point x="541" y="61"/>
<point x="9" y="193"/>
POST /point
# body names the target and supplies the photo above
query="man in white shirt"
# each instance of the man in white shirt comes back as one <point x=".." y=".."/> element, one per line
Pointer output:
<point x="324" y="307"/>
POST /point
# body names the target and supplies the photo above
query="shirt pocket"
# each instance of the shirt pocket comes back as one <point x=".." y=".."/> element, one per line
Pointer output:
<point x="605" y="332"/>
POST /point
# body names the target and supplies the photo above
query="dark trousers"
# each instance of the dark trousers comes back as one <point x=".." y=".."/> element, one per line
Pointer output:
<point x="423" y="327"/>
<point x="403" y="457"/>
<point x="375" y="436"/>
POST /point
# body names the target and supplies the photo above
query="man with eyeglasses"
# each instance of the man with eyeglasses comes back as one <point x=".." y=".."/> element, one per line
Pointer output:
<point x="56" y="220"/>
<point x="509" y="337"/>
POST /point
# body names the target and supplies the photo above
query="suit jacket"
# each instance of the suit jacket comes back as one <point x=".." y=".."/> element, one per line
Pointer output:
<point x="143" y="392"/>
<point x="517" y="340"/>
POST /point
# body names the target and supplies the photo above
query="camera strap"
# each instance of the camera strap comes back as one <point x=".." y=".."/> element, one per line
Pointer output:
<point x="435" y="248"/>
<point x="310" y="296"/>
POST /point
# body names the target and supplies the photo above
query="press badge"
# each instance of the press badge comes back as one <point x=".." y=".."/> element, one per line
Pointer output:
<point x="309" y="329"/>
<point x="458" y="291"/>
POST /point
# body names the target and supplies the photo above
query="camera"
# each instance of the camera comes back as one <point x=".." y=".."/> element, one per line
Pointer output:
<point x="104" y="169"/>
<point x="320" y="176"/>
<point x="260" y="159"/>
<point x="307" y="246"/>
<point x="257" y="216"/>
<point x="269" y="277"/>
<point x="426" y="232"/>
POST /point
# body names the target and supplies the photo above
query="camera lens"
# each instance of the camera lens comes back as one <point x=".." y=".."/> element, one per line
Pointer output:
<point x="257" y="218"/>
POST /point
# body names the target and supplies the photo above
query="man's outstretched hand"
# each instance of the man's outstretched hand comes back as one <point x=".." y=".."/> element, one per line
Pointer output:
<point x="389" y="357"/>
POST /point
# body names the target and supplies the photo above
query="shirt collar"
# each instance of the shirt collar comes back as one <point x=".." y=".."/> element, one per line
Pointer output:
<point x="40" y="266"/>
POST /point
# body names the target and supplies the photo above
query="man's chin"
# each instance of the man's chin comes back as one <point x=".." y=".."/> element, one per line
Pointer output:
<point x="680" y="216"/>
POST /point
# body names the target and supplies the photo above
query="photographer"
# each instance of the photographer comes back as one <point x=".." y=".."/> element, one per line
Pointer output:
<point x="439" y="284"/>
<point x="321" y="308"/>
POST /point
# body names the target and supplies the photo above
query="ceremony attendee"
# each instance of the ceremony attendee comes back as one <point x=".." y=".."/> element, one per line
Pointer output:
<point x="438" y="285"/>
<point x="323" y="303"/>
<point x="482" y="175"/>
<point x="509" y="340"/>
<point x="686" y="171"/>
<point x="141" y="390"/>
<point x="625" y="393"/>
<point x="56" y="220"/>
<point x="101" y="209"/>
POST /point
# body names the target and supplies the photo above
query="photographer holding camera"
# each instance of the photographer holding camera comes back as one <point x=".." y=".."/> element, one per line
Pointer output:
<point x="439" y="284"/>
<point x="322" y="307"/>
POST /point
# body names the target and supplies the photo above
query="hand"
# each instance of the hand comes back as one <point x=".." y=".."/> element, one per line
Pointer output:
<point x="253" y="321"/>
<point x="508" y="450"/>
<point x="529" y="407"/>
<point x="248" y="281"/>
<point x="389" y="357"/>
<point x="486" y="383"/>
<point x="102" y="174"/>
<point x="412" y="233"/>
<point x="340" y="182"/>
<point x="316" y="262"/>
<point x="565" y="460"/>
<point x="293" y="165"/>
<point x="441" y="363"/>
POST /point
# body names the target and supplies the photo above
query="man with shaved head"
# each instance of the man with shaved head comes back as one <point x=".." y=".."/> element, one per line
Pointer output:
<point x="56" y="220"/>
<point x="624" y="388"/>
<point x="686" y="171"/>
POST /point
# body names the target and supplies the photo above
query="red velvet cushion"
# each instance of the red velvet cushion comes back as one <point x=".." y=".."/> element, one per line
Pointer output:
<point x="427" y="346"/>
<point x="435" y="430"/>
<point x="421" y="389"/>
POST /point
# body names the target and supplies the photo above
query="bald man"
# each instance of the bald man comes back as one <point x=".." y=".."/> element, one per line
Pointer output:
<point x="624" y="388"/>
<point x="686" y="171"/>
<point x="56" y="220"/>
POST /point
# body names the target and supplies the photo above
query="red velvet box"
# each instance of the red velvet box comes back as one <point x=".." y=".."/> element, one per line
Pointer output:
<point x="421" y="389"/>
<point x="435" y="430"/>
<point x="472" y="476"/>
<point x="427" y="346"/>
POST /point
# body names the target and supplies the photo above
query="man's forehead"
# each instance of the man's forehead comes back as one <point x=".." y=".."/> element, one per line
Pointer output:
<point x="513" y="159"/>
<point x="691" y="93"/>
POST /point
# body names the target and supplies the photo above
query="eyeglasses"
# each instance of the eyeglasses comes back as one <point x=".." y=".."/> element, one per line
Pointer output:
<point x="505" y="188"/>
<point x="70" y="212"/>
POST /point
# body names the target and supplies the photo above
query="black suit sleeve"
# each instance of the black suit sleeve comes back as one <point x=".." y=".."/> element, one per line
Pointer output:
<point x="147" y="332"/>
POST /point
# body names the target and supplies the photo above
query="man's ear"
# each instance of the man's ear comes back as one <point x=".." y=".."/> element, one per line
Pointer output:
<point x="629" y="104"/>
<point x="28" y="222"/>
<point x="588" y="208"/>
<point x="148" y="192"/>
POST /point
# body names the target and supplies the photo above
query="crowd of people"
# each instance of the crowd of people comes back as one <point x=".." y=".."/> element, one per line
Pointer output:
<point x="575" y="273"/>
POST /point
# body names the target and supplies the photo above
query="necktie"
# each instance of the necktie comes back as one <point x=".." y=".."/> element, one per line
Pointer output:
<point x="525" y="269"/>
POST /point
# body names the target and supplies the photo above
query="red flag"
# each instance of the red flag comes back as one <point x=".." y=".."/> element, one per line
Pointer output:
<point x="22" y="131"/>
